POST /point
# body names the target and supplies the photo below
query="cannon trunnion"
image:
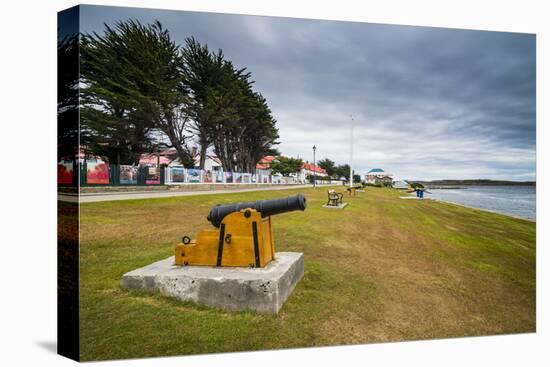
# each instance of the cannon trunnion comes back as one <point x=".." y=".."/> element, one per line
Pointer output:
<point x="243" y="234"/>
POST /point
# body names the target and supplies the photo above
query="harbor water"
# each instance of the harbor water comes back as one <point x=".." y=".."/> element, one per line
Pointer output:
<point x="518" y="201"/>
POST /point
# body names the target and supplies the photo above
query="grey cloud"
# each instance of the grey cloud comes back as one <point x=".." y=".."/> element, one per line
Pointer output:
<point x="430" y="102"/>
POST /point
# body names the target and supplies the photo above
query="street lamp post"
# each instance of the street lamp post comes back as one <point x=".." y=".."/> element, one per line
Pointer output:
<point x="314" y="180"/>
<point x="158" y="162"/>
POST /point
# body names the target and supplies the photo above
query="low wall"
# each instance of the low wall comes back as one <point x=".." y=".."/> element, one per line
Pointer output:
<point x="221" y="186"/>
<point x="179" y="187"/>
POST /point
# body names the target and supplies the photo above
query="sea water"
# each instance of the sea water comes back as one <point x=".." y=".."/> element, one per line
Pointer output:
<point x="511" y="200"/>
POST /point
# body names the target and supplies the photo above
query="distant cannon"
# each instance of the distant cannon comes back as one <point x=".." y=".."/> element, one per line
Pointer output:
<point x="244" y="236"/>
<point x="419" y="189"/>
<point x="352" y="190"/>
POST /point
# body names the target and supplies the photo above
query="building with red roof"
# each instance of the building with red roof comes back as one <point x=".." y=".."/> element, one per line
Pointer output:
<point x="164" y="157"/>
<point x="265" y="162"/>
<point x="310" y="169"/>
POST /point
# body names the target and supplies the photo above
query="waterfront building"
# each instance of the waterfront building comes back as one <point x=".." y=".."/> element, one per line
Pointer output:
<point x="378" y="176"/>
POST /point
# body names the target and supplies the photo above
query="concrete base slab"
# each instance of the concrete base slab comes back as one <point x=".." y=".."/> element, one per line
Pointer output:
<point x="259" y="289"/>
<point x="413" y="198"/>
<point x="340" y="206"/>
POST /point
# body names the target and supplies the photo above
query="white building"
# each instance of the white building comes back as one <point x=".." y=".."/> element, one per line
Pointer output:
<point x="379" y="176"/>
<point x="211" y="163"/>
<point x="308" y="169"/>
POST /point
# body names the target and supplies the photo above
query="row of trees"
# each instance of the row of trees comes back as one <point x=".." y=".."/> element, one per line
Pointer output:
<point x="286" y="166"/>
<point x="140" y="91"/>
<point x="337" y="171"/>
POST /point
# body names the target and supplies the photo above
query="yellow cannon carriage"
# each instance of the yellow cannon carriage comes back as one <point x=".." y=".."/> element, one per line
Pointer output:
<point x="242" y="236"/>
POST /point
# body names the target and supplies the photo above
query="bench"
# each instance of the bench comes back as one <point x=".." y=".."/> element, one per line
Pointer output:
<point x="334" y="198"/>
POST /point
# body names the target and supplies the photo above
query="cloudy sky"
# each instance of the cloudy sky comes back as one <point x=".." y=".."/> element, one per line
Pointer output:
<point x="428" y="103"/>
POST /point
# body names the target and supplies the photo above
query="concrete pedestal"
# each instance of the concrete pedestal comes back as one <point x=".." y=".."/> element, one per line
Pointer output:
<point x="339" y="206"/>
<point x="259" y="289"/>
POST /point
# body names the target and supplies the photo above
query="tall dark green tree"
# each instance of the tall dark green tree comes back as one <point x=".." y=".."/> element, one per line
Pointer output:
<point x="140" y="91"/>
<point x="227" y="114"/>
<point x="342" y="171"/>
<point x="259" y="133"/>
<point x="329" y="166"/>
<point x="133" y="91"/>
<point x="67" y="97"/>
<point x="286" y="165"/>
<point x="205" y="78"/>
<point x="242" y="141"/>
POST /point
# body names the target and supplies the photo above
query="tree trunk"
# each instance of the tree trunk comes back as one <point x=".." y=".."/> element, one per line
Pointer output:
<point x="184" y="156"/>
<point x="204" y="147"/>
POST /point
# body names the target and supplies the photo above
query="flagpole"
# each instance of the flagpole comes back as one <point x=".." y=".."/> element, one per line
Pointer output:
<point x="351" y="153"/>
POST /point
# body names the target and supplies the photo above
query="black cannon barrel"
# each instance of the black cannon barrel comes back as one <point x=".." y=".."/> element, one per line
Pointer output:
<point x="266" y="207"/>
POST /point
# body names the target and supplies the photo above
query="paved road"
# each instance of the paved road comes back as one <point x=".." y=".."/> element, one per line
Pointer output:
<point x="113" y="196"/>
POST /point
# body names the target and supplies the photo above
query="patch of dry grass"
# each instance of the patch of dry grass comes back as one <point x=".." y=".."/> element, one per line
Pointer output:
<point x="383" y="269"/>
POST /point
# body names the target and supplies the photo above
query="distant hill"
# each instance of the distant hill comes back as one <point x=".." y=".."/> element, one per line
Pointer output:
<point x="479" y="182"/>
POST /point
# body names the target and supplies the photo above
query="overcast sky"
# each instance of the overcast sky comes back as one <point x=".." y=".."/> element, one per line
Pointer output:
<point x="429" y="103"/>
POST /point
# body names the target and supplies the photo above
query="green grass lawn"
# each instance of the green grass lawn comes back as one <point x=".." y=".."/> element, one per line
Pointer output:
<point x="383" y="269"/>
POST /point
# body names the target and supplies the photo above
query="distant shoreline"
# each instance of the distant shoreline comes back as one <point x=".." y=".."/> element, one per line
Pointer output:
<point x="458" y="184"/>
<point x="445" y="187"/>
